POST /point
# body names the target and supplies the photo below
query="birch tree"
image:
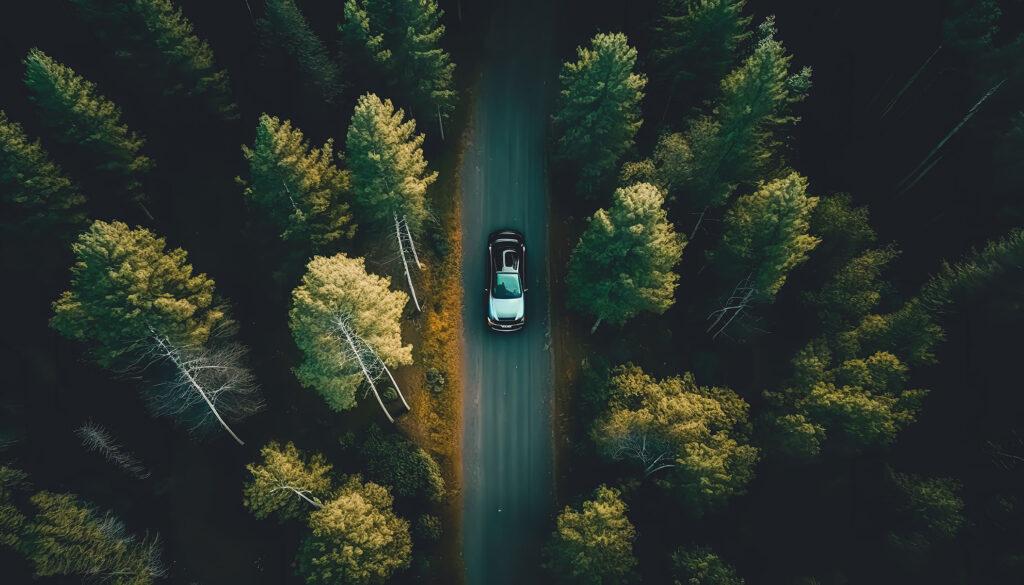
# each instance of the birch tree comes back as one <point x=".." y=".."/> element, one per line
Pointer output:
<point x="624" y="262"/>
<point x="79" y="116"/>
<point x="389" y="175"/>
<point x="355" y="538"/>
<point x="97" y="439"/>
<point x="286" y="482"/>
<point x="346" y="322"/>
<point x="157" y="38"/>
<point x="298" y="187"/>
<point x="593" y="545"/>
<point x="284" y="28"/>
<point x="36" y="195"/>
<point x="598" y="110"/>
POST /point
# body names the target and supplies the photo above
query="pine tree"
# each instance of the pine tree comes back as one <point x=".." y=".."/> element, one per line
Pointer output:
<point x="734" y="144"/>
<point x="690" y="438"/>
<point x="701" y="566"/>
<point x="161" y="42"/>
<point x="355" y="538"/>
<point x="405" y="467"/>
<point x="853" y="291"/>
<point x="594" y="544"/>
<point x="402" y="38"/>
<point x="79" y="116"/>
<point x="389" y="173"/>
<point x="598" y="112"/>
<point x="766" y="236"/>
<point x="347" y="324"/>
<point x="284" y="28"/>
<point x="286" y="482"/>
<point x="624" y="262"/>
<point x="126" y="288"/>
<point x="69" y="537"/>
<point x="297" y="186"/>
<point x="36" y="196"/>
<point x="696" y="42"/>
<point x="12" y="520"/>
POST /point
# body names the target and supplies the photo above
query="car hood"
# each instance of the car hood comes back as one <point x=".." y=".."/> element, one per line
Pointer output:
<point x="506" y="308"/>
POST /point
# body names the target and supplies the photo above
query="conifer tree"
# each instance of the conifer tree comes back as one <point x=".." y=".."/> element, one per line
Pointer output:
<point x="594" y="544"/>
<point x="126" y="288"/>
<point x="734" y="144"/>
<point x="284" y="28"/>
<point x="402" y="38"/>
<point x="691" y="439"/>
<point x="696" y="42"/>
<point x="403" y="465"/>
<point x="286" y="482"/>
<point x="766" y="236"/>
<point x="701" y="566"/>
<point x="598" y="110"/>
<point x="297" y="186"/>
<point x="624" y="262"/>
<point x="853" y="291"/>
<point x="158" y="38"/>
<point x="347" y="324"/>
<point x="80" y="116"/>
<point x="12" y="520"/>
<point x="36" y="196"/>
<point x="355" y="538"/>
<point x="389" y="173"/>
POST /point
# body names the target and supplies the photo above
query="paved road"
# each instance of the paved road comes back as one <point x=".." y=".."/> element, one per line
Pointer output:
<point x="507" y="455"/>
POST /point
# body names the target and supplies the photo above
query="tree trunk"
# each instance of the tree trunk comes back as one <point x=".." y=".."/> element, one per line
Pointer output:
<point x="596" y="323"/>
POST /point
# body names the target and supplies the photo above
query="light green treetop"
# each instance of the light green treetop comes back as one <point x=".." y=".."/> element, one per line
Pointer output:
<point x="36" y="195"/>
<point x="598" y="111"/>
<point x="389" y="172"/>
<point x="286" y="482"/>
<point x="624" y="262"/>
<point x="78" y="115"/>
<point x="335" y="290"/>
<point x="403" y="37"/>
<point x="355" y="538"/>
<point x="126" y="287"/>
<point x="593" y="545"/>
<point x="298" y="186"/>
<point x="766" y="235"/>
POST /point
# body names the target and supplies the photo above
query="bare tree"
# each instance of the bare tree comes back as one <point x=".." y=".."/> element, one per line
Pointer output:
<point x="652" y="454"/>
<point x="406" y="245"/>
<point x="355" y="350"/>
<point x="738" y="301"/>
<point x="96" y="439"/>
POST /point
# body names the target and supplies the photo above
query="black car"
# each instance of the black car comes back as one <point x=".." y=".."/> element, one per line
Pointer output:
<point x="506" y="281"/>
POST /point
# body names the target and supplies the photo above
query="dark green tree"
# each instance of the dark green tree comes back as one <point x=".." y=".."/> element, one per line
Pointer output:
<point x="701" y="566"/>
<point x="593" y="545"/>
<point x="598" y="110"/>
<point x="284" y="28"/>
<point x="406" y="468"/>
<point x="160" y="41"/>
<point x="403" y="39"/>
<point x="79" y="116"/>
<point x="843" y="228"/>
<point x="766" y="236"/>
<point x="696" y="42"/>
<point x="36" y="196"/>
<point x="12" y="520"/>
<point x="852" y="292"/>
<point x="297" y="186"/>
<point x="624" y="262"/>
<point x="977" y="271"/>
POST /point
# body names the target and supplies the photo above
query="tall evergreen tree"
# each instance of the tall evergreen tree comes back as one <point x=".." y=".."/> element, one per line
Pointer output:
<point x="389" y="173"/>
<point x="343" y="318"/>
<point x="402" y="37"/>
<point x="355" y="538"/>
<point x="126" y="288"/>
<point x="79" y="116"/>
<point x="624" y="262"/>
<point x="160" y="40"/>
<point x="36" y="196"/>
<point x="766" y="235"/>
<point x="286" y="482"/>
<point x="598" y="111"/>
<point x="701" y="566"/>
<point x="734" y="144"/>
<point x="594" y="544"/>
<point x="696" y="42"/>
<point x="12" y="520"/>
<point x="297" y="186"/>
<point x="853" y="291"/>
<point x="690" y="438"/>
<point x="407" y="468"/>
<point x="284" y="28"/>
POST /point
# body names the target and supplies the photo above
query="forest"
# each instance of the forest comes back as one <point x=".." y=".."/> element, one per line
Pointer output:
<point x="774" y="292"/>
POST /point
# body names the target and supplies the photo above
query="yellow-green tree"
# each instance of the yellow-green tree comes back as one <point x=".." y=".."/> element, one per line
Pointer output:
<point x="593" y="545"/>
<point x="79" y="116"/>
<point x="286" y="482"/>
<point x="355" y="538"/>
<point x="701" y="566"/>
<point x="298" y="187"/>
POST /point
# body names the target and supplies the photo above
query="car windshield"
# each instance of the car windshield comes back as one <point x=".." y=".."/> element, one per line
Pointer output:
<point x="506" y="286"/>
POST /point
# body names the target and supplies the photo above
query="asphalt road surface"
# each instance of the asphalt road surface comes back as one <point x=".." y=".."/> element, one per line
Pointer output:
<point x="507" y="437"/>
